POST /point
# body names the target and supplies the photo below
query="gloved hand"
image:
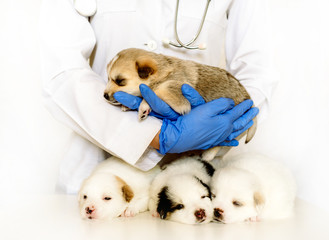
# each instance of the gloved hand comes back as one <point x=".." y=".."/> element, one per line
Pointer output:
<point x="207" y="126"/>
<point x="160" y="109"/>
<point x="241" y="122"/>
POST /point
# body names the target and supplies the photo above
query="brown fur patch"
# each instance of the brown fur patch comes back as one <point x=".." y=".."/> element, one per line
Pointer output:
<point x="259" y="201"/>
<point x="146" y="66"/>
<point x="127" y="192"/>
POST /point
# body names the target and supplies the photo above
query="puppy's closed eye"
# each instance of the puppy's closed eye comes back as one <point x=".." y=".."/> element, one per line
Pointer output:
<point x="205" y="196"/>
<point x="237" y="203"/>
<point x="107" y="198"/>
<point x="120" y="81"/>
<point x="179" y="206"/>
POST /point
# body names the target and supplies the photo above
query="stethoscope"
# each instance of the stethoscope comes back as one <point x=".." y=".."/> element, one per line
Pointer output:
<point x="179" y="43"/>
<point x="88" y="8"/>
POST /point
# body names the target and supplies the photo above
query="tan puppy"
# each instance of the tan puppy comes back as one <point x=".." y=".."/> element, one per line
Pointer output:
<point x="165" y="76"/>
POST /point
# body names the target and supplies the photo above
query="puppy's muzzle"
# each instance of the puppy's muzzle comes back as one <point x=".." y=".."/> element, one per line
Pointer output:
<point x="89" y="211"/>
<point x="200" y="215"/>
<point x="111" y="99"/>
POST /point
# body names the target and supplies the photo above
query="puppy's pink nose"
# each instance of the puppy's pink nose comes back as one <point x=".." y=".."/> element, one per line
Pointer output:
<point x="89" y="210"/>
<point x="200" y="214"/>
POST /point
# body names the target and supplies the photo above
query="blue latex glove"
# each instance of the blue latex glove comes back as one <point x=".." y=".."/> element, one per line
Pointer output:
<point x="207" y="126"/>
<point x="160" y="109"/>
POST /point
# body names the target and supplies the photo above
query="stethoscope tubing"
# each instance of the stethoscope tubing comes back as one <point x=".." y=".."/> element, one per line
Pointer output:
<point x="188" y="45"/>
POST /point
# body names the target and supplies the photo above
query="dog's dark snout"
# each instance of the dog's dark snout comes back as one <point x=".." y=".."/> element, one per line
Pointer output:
<point x="89" y="210"/>
<point x="218" y="213"/>
<point x="200" y="214"/>
<point x="110" y="98"/>
<point x="106" y="96"/>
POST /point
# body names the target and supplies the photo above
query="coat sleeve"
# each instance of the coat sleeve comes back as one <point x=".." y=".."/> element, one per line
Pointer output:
<point x="74" y="93"/>
<point x="248" y="51"/>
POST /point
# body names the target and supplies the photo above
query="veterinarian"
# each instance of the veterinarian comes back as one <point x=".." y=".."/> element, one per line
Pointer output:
<point x="78" y="38"/>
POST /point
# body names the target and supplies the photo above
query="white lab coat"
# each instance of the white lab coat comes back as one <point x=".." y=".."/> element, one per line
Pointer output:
<point x="73" y="90"/>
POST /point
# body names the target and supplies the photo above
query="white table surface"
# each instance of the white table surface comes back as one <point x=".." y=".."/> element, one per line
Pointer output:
<point x="57" y="217"/>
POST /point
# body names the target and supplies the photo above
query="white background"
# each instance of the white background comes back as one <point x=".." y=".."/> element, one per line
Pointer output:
<point x="296" y="132"/>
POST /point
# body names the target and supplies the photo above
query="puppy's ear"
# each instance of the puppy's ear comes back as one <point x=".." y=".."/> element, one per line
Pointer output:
<point x="127" y="192"/>
<point x="259" y="201"/>
<point x="146" y="66"/>
<point x="109" y="65"/>
<point x="165" y="203"/>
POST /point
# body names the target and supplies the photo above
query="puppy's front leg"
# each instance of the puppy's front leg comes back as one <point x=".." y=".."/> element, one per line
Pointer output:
<point x="137" y="205"/>
<point x="152" y="206"/>
<point x="124" y="108"/>
<point x="171" y="93"/>
<point x="253" y="219"/>
<point x="210" y="154"/>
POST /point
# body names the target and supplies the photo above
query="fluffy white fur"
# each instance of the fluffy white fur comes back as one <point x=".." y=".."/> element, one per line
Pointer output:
<point x="252" y="187"/>
<point x="115" y="189"/>
<point x="180" y="192"/>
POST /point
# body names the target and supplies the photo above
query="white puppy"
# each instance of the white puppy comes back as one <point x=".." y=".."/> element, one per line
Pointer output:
<point x="252" y="187"/>
<point x="181" y="193"/>
<point x="115" y="189"/>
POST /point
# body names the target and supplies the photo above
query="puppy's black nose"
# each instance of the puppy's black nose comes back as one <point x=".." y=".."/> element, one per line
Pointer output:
<point x="218" y="213"/>
<point x="89" y="210"/>
<point x="106" y="96"/>
<point x="200" y="214"/>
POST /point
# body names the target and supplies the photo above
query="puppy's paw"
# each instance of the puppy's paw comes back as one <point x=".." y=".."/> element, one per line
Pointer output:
<point x="155" y="214"/>
<point x="181" y="108"/>
<point x="253" y="219"/>
<point x="153" y="208"/>
<point x="210" y="154"/>
<point x="128" y="213"/>
<point x="124" y="108"/>
<point x="143" y="110"/>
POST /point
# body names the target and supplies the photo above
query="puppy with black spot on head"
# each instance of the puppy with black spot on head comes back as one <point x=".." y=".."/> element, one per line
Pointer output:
<point x="252" y="187"/>
<point x="165" y="75"/>
<point x="115" y="189"/>
<point x="181" y="193"/>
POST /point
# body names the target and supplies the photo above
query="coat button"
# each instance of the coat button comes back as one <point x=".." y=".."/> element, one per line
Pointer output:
<point x="151" y="45"/>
